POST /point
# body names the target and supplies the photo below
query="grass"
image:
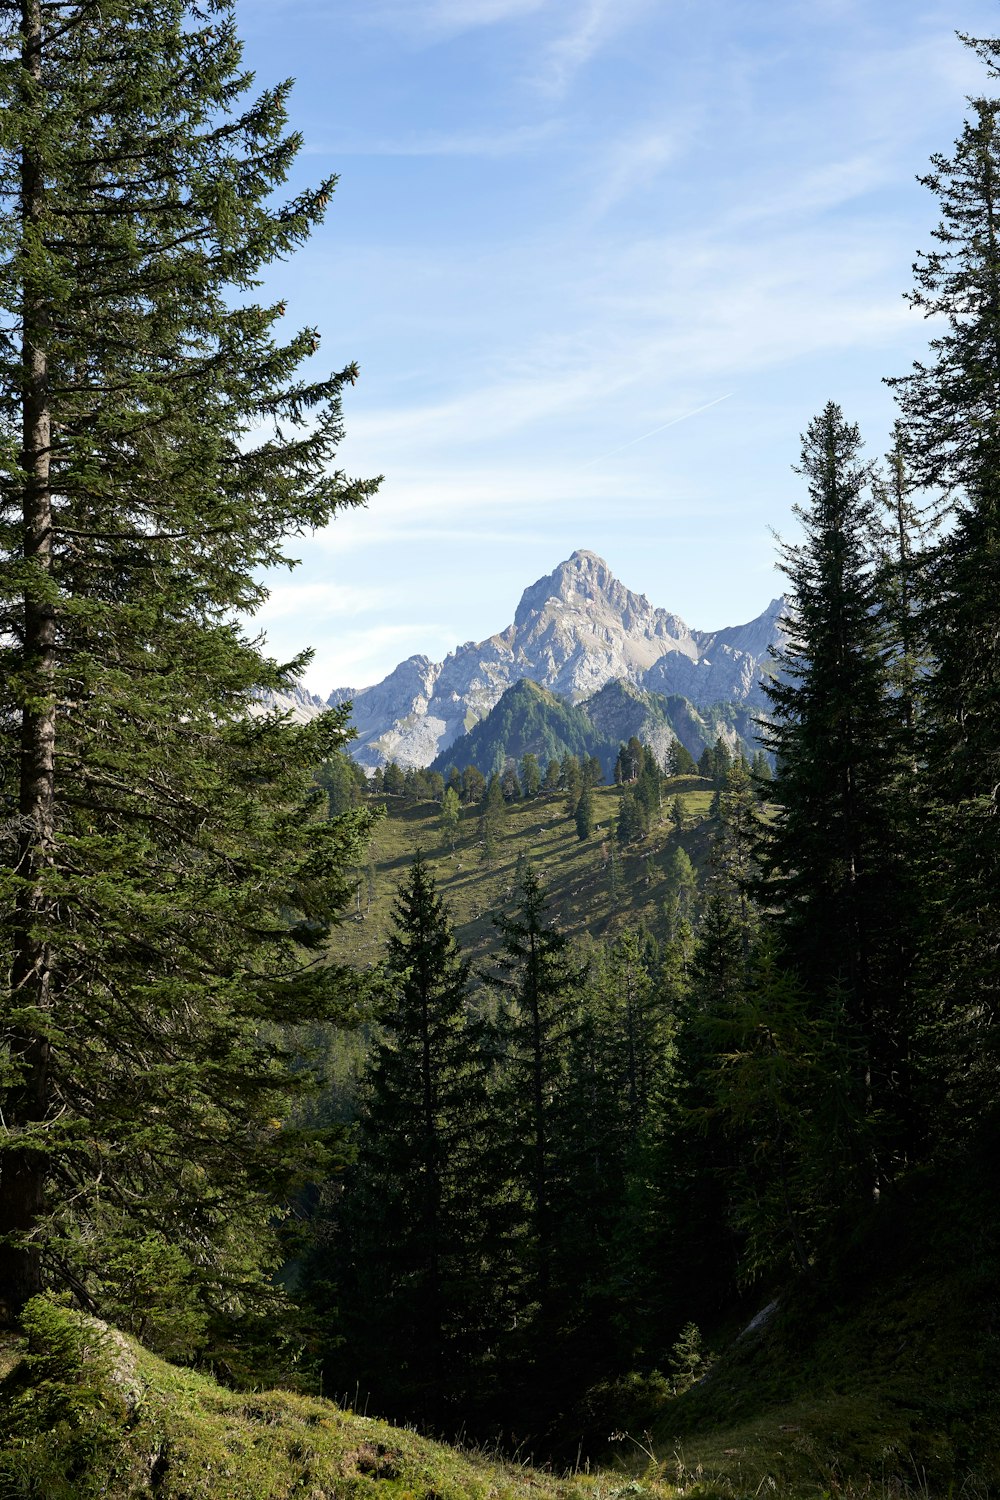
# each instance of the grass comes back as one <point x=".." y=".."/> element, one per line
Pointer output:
<point x="595" y="887"/>
<point x="87" y="1412"/>
<point x="113" y="1420"/>
<point x="878" y="1377"/>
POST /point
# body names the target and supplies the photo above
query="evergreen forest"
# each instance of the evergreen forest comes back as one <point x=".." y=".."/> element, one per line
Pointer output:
<point x="632" y="1118"/>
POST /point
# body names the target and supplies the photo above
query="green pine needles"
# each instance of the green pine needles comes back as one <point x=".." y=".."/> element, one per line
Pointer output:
<point x="167" y="871"/>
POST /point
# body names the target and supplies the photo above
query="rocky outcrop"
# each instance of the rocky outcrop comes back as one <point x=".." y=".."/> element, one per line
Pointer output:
<point x="574" y="631"/>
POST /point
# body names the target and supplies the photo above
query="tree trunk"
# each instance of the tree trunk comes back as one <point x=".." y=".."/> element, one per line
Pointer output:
<point x="26" y="1103"/>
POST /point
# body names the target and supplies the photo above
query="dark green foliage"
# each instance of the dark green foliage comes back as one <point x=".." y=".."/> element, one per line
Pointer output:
<point x="677" y="815"/>
<point x="393" y="779"/>
<point x="411" y="1301"/>
<point x="510" y="786"/>
<point x="633" y="818"/>
<point x="451" y="813"/>
<point x="473" y="785"/>
<point x="682" y="891"/>
<point x="571" y="779"/>
<point x="836" y="853"/>
<point x="170" y="867"/>
<point x="952" y="443"/>
<point x="760" y="767"/>
<point x="537" y="980"/>
<point x="531" y="776"/>
<point x="715" y="762"/>
<point x="344" y="782"/>
<point x="680" y="760"/>
<point x="585" y="813"/>
<point x="491" y="820"/>
<point x="527" y="720"/>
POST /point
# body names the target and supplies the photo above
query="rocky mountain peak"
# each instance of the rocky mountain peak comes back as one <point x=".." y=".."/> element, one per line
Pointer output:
<point x="583" y="579"/>
<point x="575" y="630"/>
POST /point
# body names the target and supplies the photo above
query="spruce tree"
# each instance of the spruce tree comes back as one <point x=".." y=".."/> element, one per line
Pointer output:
<point x="585" y="814"/>
<point x="951" y="427"/>
<point x="451" y="816"/>
<point x="412" y="1298"/>
<point x="539" y="981"/>
<point x="835" y="854"/>
<point x="169" y="873"/>
<point x="491" y="821"/>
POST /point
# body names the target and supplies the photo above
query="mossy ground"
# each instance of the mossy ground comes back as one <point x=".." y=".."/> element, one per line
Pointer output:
<point x="137" y="1428"/>
<point x="594" y="887"/>
<point x="87" y="1412"/>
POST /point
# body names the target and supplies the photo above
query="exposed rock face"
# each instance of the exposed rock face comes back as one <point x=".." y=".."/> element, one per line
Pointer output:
<point x="298" y="703"/>
<point x="574" y="632"/>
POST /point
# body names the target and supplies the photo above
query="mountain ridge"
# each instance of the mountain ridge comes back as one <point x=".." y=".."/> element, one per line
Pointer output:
<point x="574" y="630"/>
<point x="530" y="718"/>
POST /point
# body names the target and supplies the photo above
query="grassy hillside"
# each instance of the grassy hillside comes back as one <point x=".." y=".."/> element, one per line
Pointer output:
<point x="878" y="1381"/>
<point x="879" y="1373"/>
<point x="85" y="1411"/>
<point x="594" y="886"/>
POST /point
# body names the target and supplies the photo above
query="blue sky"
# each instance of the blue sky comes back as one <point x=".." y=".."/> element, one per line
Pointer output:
<point x="600" y="263"/>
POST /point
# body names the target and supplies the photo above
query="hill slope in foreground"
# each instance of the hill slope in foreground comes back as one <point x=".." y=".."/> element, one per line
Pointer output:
<point x="876" y="1381"/>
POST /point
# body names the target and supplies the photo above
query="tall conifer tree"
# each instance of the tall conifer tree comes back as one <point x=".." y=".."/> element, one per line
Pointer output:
<point x="834" y="855"/>
<point x="540" y="980"/>
<point x="413" y="1299"/>
<point x="167" y="870"/>
<point x="951" y="422"/>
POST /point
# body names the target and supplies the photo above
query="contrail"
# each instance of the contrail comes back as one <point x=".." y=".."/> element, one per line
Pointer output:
<point x="653" y="431"/>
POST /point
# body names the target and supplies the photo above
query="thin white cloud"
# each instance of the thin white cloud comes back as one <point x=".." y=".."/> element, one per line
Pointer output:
<point x="484" y="143"/>
<point x="633" y="164"/>
<point x="314" y="601"/>
<point x="593" y="23"/>
<point x="668" y="321"/>
<point x="357" y="660"/>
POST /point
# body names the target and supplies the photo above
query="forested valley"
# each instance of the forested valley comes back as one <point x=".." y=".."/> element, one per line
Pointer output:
<point x="553" y="1108"/>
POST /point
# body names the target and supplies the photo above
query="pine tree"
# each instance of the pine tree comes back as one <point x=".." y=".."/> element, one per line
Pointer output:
<point x="619" y="1061"/>
<point x="537" y="975"/>
<point x="680" y="761"/>
<point x="585" y="813"/>
<point x="491" y="821"/>
<point x="681" y="891"/>
<point x="572" y="782"/>
<point x="451" y="816"/>
<point x="169" y="873"/>
<point x="510" y="786"/>
<point x="836" y="853"/>
<point x="951" y="428"/>
<point x="413" y="1300"/>
<point x="531" y="775"/>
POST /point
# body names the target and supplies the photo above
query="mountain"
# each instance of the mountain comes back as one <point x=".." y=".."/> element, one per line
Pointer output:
<point x="527" y="718"/>
<point x="298" y="703"/>
<point x="574" y="632"/>
<point x="530" y="718"/>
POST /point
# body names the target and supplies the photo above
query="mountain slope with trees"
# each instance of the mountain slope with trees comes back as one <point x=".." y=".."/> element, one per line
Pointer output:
<point x="530" y="720"/>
